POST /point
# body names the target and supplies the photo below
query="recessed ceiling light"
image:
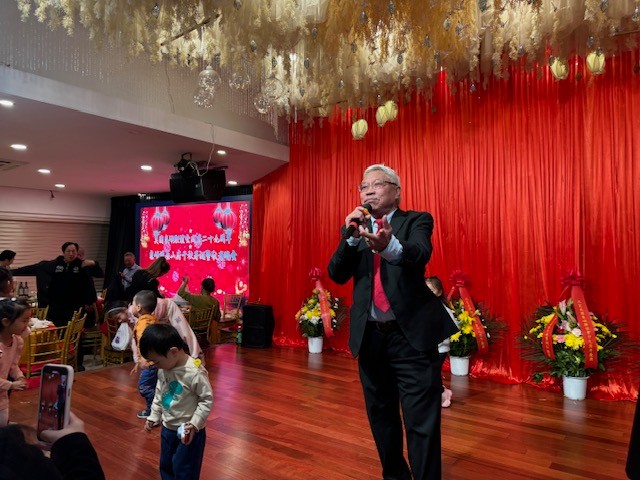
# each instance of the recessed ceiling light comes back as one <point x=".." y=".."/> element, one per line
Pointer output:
<point x="6" y="103"/>
<point x="59" y="185"/>
<point x="46" y="171"/>
<point x="221" y="152"/>
<point x="19" y="146"/>
<point x="146" y="168"/>
<point x="232" y="182"/>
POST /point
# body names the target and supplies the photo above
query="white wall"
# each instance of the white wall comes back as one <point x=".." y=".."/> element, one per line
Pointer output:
<point x="27" y="204"/>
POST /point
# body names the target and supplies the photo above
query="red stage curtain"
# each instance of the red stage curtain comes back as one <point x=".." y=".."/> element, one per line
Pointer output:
<point x="525" y="178"/>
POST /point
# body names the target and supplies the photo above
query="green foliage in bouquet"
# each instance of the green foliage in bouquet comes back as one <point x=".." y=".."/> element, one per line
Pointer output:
<point x="463" y="343"/>
<point x="568" y="342"/>
<point x="309" y="316"/>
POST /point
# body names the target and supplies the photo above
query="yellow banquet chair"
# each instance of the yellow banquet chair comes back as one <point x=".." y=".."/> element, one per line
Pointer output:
<point x="72" y="342"/>
<point x="109" y="354"/>
<point x="44" y="346"/>
<point x="230" y="319"/>
<point x="41" y="313"/>
<point x="200" y="322"/>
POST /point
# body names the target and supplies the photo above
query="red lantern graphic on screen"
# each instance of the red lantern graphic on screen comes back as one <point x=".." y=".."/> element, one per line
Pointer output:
<point x="228" y="219"/>
<point x="165" y="218"/>
<point x="156" y="222"/>
<point x="217" y="216"/>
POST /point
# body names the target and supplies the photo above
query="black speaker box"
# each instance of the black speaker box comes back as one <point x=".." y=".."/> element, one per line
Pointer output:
<point x="208" y="185"/>
<point x="257" y="325"/>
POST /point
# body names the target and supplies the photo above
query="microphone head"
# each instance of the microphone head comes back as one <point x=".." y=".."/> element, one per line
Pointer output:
<point x="368" y="208"/>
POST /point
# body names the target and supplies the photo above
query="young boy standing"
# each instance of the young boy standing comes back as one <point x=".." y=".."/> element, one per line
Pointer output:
<point x="143" y="304"/>
<point x="183" y="398"/>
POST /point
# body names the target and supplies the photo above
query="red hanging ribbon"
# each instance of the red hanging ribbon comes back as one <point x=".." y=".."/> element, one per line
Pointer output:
<point x="459" y="280"/>
<point x="572" y="282"/>
<point x="325" y="308"/>
<point x="547" y="338"/>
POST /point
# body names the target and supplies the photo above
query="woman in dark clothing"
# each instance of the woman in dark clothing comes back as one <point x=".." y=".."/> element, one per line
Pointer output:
<point x="70" y="286"/>
<point x="44" y="272"/>
<point x="147" y="278"/>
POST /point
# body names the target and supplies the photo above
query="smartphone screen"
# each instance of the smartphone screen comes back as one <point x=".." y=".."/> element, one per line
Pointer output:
<point x="55" y="392"/>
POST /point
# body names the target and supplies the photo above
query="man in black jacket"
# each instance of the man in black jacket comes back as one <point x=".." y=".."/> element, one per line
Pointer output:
<point x="396" y="325"/>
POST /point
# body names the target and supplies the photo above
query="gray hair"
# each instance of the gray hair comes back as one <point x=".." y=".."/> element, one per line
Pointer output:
<point x="391" y="174"/>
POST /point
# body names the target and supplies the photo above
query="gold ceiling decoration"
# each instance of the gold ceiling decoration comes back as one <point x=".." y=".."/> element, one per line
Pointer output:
<point x="311" y="55"/>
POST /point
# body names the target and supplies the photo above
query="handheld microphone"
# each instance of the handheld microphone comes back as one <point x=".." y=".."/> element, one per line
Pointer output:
<point x="353" y="224"/>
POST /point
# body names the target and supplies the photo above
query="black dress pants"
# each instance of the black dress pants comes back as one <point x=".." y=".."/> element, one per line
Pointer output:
<point x="394" y="375"/>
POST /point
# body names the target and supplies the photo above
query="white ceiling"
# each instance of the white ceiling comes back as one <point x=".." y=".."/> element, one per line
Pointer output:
<point x="96" y="155"/>
<point x="93" y="117"/>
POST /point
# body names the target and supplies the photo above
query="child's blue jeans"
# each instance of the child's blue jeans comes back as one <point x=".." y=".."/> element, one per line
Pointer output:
<point x="147" y="384"/>
<point x="179" y="461"/>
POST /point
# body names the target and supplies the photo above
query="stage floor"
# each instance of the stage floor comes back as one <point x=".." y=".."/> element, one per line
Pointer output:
<point x="281" y="413"/>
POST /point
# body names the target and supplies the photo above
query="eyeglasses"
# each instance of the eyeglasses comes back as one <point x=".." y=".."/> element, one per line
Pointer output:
<point x="377" y="185"/>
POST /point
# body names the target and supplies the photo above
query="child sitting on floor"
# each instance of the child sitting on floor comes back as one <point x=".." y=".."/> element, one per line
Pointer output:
<point x="143" y="305"/>
<point x="183" y="401"/>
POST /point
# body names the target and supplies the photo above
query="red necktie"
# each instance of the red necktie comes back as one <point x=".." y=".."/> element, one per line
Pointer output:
<point x="380" y="299"/>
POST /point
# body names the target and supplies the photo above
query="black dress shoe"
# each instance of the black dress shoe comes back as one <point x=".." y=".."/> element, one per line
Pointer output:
<point x="81" y="368"/>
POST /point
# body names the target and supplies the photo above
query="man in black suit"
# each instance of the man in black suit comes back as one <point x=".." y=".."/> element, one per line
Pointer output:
<point x="396" y="325"/>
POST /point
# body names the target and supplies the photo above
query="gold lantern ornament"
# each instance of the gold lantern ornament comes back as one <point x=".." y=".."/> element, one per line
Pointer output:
<point x="392" y="110"/>
<point x="596" y="61"/>
<point x="559" y="68"/>
<point x="359" y="129"/>
<point x="382" y="115"/>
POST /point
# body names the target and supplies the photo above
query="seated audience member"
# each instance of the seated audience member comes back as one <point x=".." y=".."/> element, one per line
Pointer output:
<point x="7" y="257"/>
<point x="203" y="301"/>
<point x="72" y="455"/>
<point x="147" y="278"/>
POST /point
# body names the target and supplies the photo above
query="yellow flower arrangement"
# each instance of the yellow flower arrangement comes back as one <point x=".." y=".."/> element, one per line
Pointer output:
<point x="568" y="342"/>
<point x="463" y="343"/>
<point x="309" y="317"/>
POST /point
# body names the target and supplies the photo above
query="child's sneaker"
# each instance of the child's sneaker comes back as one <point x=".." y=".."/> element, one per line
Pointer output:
<point x="143" y="414"/>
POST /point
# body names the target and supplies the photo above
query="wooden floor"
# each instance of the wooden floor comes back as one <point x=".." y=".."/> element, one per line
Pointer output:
<point x="281" y="413"/>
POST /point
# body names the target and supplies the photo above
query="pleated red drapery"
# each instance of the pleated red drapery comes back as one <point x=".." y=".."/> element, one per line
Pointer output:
<point x="525" y="179"/>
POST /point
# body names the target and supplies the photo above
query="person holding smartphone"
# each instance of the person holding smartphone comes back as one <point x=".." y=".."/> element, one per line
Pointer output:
<point x="72" y="454"/>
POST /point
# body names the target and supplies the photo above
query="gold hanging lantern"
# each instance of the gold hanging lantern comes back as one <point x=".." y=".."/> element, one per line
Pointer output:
<point x="382" y="115"/>
<point x="559" y="68"/>
<point x="392" y="110"/>
<point x="359" y="129"/>
<point x="596" y="61"/>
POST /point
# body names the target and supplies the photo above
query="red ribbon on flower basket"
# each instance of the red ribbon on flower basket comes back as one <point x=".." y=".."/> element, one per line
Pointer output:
<point x="572" y="282"/>
<point x="325" y="308"/>
<point x="459" y="280"/>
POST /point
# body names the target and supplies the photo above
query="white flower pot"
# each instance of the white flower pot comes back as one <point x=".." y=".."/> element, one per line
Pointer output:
<point x="459" y="366"/>
<point x="575" y="388"/>
<point x="315" y="344"/>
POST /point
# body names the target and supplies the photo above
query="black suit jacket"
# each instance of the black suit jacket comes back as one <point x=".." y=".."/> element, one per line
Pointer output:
<point x="420" y="314"/>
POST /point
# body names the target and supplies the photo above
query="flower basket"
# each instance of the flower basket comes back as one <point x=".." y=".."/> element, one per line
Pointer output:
<point x="321" y="313"/>
<point x="476" y="326"/>
<point x="559" y="325"/>
<point x="567" y="340"/>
